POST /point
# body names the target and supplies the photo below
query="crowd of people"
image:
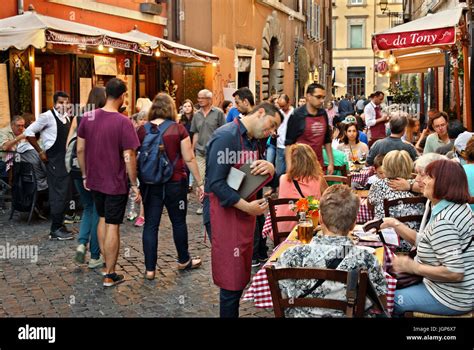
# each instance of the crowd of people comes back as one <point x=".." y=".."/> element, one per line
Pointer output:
<point x="294" y="146"/>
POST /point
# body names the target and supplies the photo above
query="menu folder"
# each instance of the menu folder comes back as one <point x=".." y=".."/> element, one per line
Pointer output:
<point x="245" y="183"/>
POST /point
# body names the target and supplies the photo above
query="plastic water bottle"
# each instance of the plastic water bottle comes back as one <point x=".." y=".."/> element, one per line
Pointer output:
<point x="131" y="206"/>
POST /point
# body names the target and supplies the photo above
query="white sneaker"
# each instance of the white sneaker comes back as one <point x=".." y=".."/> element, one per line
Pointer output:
<point x="94" y="263"/>
<point x="80" y="253"/>
<point x="199" y="211"/>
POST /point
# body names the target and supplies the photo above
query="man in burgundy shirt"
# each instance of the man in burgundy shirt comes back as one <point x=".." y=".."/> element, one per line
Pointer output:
<point x="309" y="125"/>
<point x="106" y="145"/>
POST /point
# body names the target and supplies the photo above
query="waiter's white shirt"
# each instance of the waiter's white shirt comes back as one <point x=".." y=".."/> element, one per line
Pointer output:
<point x="369" y="113"/>
<point x="46" y="125"/>
<point x="282" y="128"/>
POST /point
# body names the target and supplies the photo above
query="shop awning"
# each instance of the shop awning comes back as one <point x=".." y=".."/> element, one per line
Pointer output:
<point x="37" y="30"/>
<point x="174" y="50"/>
<point x="419" y="62"/>
<point x="436" y="30"/>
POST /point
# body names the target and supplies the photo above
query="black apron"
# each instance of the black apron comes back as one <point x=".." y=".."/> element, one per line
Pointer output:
<point x="57" y="153"/>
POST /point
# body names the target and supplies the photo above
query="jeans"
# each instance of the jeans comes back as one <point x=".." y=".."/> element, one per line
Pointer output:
<point x="280" y="163"/>
<point x="418" y="298"/>
<point x="89" y="220"/>
<point x="229" y="303"/>
<point x="173" y="195"/>
<point x="271" y="153"/>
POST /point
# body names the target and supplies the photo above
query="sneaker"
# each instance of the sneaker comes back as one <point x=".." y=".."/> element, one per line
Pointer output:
<point x="139" y="222"/>
<point x="80" y="254"/>
<point x="199" y="211"/>
<point x="95" y="263"/>
<point x="65" y="229"/>
<point x="60" y="235"/>
<point x="112" y="279"/>
<point x="255" y="263"/>
<point x="72" y="219"/>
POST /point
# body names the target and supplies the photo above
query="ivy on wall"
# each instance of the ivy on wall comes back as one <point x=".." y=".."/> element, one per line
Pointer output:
<point x="24" y="89"/>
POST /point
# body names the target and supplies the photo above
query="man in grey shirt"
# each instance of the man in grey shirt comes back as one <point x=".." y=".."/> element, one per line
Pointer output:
<point x="205" y="121"/>
<point x="398" y="124"/>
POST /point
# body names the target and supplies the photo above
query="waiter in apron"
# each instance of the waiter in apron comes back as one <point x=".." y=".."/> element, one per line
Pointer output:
<point x="53" y="127"/>
<point x="233" y="217"/>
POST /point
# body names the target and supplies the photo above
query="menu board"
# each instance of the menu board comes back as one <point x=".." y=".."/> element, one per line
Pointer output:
<point x="105" y="65"/>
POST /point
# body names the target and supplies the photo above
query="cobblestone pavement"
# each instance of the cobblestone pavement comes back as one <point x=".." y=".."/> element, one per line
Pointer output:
<point x="56" y="286"/>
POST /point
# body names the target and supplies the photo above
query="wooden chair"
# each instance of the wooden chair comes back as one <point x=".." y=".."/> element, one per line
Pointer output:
<point x="387" y="204"/>
<point x="341" y="168"/>
<point x="346" y="180"/>
<point x="278" y="236"/>
<point x="353" y="307"/>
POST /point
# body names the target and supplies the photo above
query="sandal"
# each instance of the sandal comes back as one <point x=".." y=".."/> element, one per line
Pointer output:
<point x="149" y="275"/>
<point x="193" y="263"/>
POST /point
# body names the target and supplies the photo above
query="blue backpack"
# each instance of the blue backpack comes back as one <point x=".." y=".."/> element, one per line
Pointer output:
<point x="154" y="166"/>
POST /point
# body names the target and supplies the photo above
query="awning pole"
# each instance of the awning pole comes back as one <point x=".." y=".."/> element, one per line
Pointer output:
<point x="436" y="88"/>
<point x="422" y="96"/>
<point x="467" y="85"/>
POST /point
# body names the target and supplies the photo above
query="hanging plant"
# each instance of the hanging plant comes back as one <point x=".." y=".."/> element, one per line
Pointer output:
<point x="24" y="89"/>
<point x="403" y="95"/>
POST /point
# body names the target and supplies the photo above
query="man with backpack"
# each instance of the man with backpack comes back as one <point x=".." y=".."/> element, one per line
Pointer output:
<point x="106" y="145"/>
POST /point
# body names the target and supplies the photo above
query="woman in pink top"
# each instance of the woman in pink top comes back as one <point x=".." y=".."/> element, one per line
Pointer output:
<point x="304" y="168"/>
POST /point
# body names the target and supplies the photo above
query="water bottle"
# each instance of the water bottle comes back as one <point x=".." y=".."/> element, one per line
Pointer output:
<point x="131" y="206"/>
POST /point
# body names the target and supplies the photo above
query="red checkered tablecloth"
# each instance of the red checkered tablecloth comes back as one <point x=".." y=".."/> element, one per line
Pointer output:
<point x="259" y="290"/>
<point x="362" y="176"/>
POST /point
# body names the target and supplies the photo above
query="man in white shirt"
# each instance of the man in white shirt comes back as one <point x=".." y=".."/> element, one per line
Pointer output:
<point x="287" y="110"/>
<point x="53" y="127"/>
<point x="374" y="119"/>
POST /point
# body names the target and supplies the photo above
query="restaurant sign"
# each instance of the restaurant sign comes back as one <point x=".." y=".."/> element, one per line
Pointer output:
<point x="433" y="37"/>
<point x="76" y="39"/>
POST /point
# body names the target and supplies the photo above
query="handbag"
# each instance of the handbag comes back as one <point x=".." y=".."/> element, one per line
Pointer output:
<point x="405" y="279"/>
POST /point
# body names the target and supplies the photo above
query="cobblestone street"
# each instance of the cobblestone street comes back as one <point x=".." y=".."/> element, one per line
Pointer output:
<point x="56" y="286"/>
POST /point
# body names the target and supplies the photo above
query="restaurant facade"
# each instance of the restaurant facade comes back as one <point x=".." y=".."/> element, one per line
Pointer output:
<point x="55" y="45"/>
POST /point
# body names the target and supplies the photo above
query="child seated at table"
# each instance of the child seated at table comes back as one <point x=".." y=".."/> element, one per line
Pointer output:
<point x="338" y="212"/>
<point x="304" y="169"/>
<point x="379" y="174"/>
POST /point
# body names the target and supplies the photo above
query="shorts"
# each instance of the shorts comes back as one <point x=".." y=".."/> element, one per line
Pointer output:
<point x="112" y="207"/>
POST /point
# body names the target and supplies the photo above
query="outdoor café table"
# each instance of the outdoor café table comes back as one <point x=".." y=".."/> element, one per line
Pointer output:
<point x="364" y="214"/>
<point x="259" y="290"/>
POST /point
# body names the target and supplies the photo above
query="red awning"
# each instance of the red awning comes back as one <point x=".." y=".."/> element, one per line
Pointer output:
<point x="425" y="33"/>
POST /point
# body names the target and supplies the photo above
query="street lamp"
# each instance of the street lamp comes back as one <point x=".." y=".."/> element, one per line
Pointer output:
<point x="383" y="5"/>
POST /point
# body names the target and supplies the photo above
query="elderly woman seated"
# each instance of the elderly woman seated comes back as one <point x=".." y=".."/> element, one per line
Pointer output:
<point x="396" y="164"/>
<point x="338" y="212"/>
<point x="445" y="251"/>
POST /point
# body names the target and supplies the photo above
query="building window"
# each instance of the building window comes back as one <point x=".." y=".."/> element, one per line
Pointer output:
<point x="356" y="81"/>
<point x="356" y="2"/>
<point x="334" y="41"/>
<point x="313" y="24"/>
<point x="356" y="36"/>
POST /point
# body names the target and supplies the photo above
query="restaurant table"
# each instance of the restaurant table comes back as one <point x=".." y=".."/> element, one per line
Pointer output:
<point x="363" y="215"/>
<point x="259" y="290"/>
